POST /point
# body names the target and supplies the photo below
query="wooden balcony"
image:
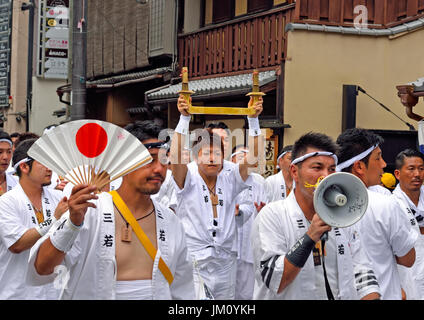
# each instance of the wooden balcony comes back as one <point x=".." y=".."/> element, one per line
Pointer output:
<point x="381" y="13"/>
<point x="252" y="42"/>
<point x="259" y="41"/>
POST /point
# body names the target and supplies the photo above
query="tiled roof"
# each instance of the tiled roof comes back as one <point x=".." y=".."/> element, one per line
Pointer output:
<point x="215" y="85"/>
<point x="129" y="76"/>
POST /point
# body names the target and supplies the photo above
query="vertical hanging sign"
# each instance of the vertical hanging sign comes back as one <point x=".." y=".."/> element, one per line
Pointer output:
<point x="53" y="42"/>
<point x="5" y="45"/>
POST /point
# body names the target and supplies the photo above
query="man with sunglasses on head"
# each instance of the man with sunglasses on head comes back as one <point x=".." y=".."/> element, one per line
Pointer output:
<point x="120" y="245"/>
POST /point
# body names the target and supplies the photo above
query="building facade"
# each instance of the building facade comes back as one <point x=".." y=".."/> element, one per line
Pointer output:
<point x="314" y="49"/>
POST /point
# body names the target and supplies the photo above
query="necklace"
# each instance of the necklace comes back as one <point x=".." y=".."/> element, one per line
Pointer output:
<point x="38" y="211"/>
<point x="39" y="214"/>
<point x="214" y="197"/>
<point x="126" y="231"/>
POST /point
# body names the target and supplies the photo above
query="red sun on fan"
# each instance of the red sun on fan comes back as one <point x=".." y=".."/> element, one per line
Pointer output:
<point x="91" y="140"/>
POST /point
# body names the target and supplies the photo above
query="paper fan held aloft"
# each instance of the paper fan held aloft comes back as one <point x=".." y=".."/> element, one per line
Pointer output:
<point x="107" y="151"/>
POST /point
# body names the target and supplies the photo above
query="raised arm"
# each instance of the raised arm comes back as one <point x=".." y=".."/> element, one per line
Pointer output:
<point x="178" y="167"/>
<point x="53" y="250"/>
<point x="251" y="160"/>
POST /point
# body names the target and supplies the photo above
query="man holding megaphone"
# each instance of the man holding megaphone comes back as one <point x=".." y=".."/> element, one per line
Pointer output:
<point x="286" y="232"/>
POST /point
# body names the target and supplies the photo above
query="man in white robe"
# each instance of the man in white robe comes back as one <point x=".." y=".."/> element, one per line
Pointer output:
<point x="386" y="231"/>
<point x="286" y="232"/>
<point x="250" y="201"/>
<point x="410" y="194"/>
<point x="7" y="179"/>
<point x="102" y="255"/>
<point x="206" y="199"/>
<point x="26" y="213"/>
<point x="166" y="194"/>
<point x="279" y="185"/>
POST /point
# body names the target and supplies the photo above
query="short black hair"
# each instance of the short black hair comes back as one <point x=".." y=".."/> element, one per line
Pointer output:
<point x="206" y="137"/>
<point x="315" y="140"/>
<point x="288" y="148"/>
<point x="14" y="135"/>
<point x="407" y="153"/>
<point x="4" y="135"/>
<point x="219" y="125"/>
<point x="355" y="141"/>
<point x="21" y="152"/>
<point x="144" y="130"/>
<point x="26" y="136"/>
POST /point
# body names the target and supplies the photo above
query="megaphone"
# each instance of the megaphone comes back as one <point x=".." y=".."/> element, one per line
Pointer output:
<point x="341" y="199"/>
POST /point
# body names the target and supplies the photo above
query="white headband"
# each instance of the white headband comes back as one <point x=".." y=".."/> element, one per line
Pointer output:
<point x="314" y="154"/>
<point x="8" y="141"/>
<point x="351" y="161"/>
<point x="22" y="161"/>
<point x="280" y="156"/>
<point x="239" y="152"/>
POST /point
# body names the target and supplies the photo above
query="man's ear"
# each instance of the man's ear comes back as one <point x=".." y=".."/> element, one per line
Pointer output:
<point x="294" y="171"/>
<point x="24" y="167"/>
<point x="359" y="168"/>
<point x="397" y="173"/>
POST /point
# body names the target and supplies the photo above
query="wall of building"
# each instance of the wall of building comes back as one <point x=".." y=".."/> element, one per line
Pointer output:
<point x="44" y="102"/>
<point x="192" y="14"/>
<point x="319" y="64"/>
<point x="18" y="70"/>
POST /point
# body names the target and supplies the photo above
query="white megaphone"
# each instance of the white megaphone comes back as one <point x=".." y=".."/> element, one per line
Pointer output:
<point x="341" y="199"/>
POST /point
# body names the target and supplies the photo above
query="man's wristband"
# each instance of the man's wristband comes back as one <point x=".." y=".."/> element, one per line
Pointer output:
<point x="299" y="253"/>
<point x="254" y="128"/>
<point x="183" y="124"/>
<point x="65" y="234"/>
<point x="45" y="226"/>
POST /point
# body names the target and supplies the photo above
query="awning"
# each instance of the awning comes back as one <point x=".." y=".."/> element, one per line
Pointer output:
<point x="211" y="87"/>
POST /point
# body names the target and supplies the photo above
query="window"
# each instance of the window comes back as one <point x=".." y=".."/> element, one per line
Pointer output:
<point x="223" y="10"/>
<point x="259" y="5"/>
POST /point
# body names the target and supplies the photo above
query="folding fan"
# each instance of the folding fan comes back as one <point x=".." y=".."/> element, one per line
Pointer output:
<point x="107" y="150"/>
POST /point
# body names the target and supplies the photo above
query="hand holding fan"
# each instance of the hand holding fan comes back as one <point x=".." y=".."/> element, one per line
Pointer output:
<point x="90" y="151"/>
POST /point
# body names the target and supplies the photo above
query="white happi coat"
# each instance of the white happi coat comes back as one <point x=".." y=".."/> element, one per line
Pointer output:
<point x="255" y="193"/>
<point x="275" y="187"/>
<point x="245" y="271"/>
<point x="215" y="256"/>
<point x="380" y="189"/>
<point x="166" y="194"/>
<point x="386" y="232"/>
<point x="17" y="217"/>
<point x="196" y="213"/>
<point x="416" y="218"/>
<point x="91" y="262"/>
<point x="276" y="229"/>
<point x="11" y="181"/>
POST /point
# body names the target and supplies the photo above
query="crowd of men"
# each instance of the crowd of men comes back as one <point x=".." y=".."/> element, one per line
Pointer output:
<point x="205" y="226"/>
